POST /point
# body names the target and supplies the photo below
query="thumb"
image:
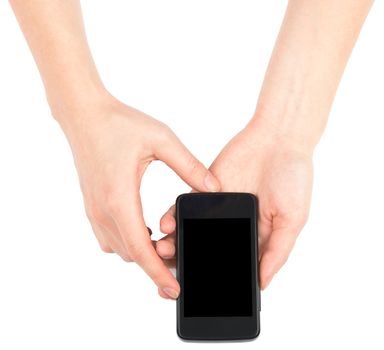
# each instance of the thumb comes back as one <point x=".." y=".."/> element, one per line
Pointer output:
<point x="189" y="168"/>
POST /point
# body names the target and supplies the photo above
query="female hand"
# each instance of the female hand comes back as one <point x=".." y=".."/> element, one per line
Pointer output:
<point x="279" y="174"/>
<point x="112" y="145"/>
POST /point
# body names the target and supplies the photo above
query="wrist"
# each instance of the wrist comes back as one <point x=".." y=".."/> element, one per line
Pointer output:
<point x="296" y="131"/>
<point x="68" y="106"/>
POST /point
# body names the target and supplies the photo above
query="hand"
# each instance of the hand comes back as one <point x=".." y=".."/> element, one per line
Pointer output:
<point x="112" y="145"/>
<point x="279" y="174"/>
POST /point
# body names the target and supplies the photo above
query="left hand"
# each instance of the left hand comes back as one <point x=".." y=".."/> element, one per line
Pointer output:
<point x="280" y="174"/>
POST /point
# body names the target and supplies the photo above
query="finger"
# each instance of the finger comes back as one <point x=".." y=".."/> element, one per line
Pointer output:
<point x="168" y="221"/>
<point x="277" y="249"/>
<point x="171" y="264"/>
<point x="163" y="294"/>
<point x="166" y="247"/>
<point x="104" y="246"/>
<point x="182" y="161"/>
<point x="130" y="221"/>
<point x="115" y="242"/>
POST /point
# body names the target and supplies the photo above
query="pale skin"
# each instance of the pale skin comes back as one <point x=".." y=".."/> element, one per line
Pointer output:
<point x="274" y="151"/>
<point x="271" y="156"/>
<point x="112" y="144"/>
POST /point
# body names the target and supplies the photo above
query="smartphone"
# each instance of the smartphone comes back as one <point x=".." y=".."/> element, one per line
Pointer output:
<point x="217" y="266"/>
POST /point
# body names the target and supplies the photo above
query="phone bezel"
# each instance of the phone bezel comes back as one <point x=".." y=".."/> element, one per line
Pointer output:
<point x="218" y="205"/>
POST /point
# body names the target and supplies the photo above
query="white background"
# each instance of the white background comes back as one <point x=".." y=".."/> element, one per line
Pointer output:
<point x="197" y="66"/>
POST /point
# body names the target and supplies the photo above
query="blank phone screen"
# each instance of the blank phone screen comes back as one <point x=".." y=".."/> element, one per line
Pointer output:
<point x="217" y="267"/>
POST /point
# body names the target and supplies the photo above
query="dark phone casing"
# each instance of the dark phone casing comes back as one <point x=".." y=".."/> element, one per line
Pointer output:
<point x="218" y="205"/>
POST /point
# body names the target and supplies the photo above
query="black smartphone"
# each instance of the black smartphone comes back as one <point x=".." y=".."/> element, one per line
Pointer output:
<point x="217" y="266"/>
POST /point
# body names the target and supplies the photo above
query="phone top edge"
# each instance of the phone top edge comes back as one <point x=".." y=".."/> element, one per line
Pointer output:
<point x="192" y="194"/>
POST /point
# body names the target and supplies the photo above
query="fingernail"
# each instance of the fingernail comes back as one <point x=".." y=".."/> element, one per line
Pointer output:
<point x="171" y="292"/>
<point x="167" y="257"/>
<point x="211" y="183"/>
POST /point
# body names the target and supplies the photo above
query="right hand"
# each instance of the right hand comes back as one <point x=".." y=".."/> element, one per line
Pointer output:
<point x="112" y="145"/>
<point x="280" y="174"/>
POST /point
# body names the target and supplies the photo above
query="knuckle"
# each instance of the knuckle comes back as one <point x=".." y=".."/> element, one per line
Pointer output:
<point x="137" y="252"/>
<point x="166" y="130"/>
<point x="126" y="258"/>
<point x="124" y="255"/>
<point x="94" y="214"/>
<point x="193" y="165"/>
<point x="164" y="134"/>
<point x="105" y="248"/>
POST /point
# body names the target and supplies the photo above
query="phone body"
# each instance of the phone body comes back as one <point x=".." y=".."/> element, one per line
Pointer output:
<point x="217" y="266"/>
